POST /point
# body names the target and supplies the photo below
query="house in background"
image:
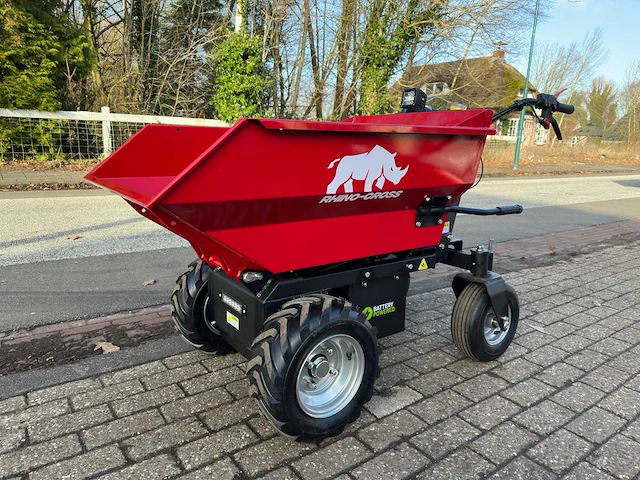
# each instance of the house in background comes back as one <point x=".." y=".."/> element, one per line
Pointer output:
<point x="586" y="134"/>
<point x="591" y="134"/>
<point x="483" y="82"/>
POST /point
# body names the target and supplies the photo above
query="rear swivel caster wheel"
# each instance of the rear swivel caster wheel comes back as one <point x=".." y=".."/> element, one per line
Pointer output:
<point x="313" y="367"/>
<point x="191" y="313"/>
<point x="475" y="327"/>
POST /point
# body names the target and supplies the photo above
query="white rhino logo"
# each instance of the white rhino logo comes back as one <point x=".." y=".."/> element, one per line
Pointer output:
<point x="376" y="166"/>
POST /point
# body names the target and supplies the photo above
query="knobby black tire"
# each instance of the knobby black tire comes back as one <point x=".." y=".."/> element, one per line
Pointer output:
<point x="188" y="302"/>
<point x="278" y="353"/>
<point x="467" y="323"/>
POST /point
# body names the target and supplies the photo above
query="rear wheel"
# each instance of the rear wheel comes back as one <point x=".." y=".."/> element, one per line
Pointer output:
<point x="191" y="312"/>
<point x="314" y="366"/>
<point x="475" y="327"/>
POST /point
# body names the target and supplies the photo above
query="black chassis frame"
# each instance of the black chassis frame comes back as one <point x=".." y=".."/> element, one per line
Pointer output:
<point x="256" y="301"/>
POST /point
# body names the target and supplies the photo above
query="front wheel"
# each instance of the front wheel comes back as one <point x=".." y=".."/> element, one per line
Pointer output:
<point x="313" y="367"/>
<point x="475" y="327"/>
<point x="191" y="312"/>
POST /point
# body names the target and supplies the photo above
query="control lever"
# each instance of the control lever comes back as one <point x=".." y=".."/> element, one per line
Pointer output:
<point x="549" y="104"/>
<point x="548" y="120"/>
<point x="504" y="210"/>
<point x="431" y="210"/>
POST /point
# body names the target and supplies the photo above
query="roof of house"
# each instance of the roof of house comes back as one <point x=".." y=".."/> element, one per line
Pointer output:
<point x="619" y="131"/>
<point x="483" y="82"/>
<point x="588" y="130"/>
<point x="615" y="133"/>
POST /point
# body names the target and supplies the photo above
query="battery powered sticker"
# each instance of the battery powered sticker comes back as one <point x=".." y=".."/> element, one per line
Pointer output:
<point x="423" y="264"/>
<point x="379" y="310"/>
<point x="446" y="228"/>
<point x="233" y="320"/>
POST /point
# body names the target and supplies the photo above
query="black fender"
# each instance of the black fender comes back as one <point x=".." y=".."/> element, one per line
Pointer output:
<point x="494" y="284"/>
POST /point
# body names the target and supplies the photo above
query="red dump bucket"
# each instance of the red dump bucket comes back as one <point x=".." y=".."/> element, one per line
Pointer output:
<point x="282" y="195"/>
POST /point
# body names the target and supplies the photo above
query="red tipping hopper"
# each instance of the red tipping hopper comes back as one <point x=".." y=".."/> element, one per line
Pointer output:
<point x="282" y="195"/>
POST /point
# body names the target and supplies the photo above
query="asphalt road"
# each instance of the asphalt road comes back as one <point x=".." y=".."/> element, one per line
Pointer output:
<point x="47" y="276"/>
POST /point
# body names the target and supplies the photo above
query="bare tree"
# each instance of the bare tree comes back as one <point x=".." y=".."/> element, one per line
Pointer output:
<point x="570" y="66"/>
<point x="557" y="66"/>
<point x="469" y="29"/>
<point x="324" y="57"/>
<point x="630" y="102"/>
<point x="345" y="38"/>
<point x="602" y="103"/>
<point x="183" y="84"/>
<point x="152" y="54"/>
<point x="386" y="38"/>
<point x="315" y="67"/>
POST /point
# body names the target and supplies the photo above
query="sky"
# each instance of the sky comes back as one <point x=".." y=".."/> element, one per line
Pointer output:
<point x="570" y="20"/>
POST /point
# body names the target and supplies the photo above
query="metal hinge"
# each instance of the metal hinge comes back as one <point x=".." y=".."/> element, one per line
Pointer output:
<point x="430" y="211"/>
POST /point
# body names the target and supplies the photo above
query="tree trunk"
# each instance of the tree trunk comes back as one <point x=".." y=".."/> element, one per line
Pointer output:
<point x="318" y="93"/>
<point x="344" y="44"/>
<point x="238" y="22"/>
<point x="298" y="76"/>
<point x="88" y="24"/>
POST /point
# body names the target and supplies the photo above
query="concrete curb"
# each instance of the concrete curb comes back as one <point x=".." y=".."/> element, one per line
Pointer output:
<point x="18" y="383"/>
<point x="81" y="326"/>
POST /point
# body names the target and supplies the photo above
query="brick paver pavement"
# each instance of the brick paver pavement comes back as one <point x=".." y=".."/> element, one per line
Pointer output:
<point x="563" y="402"/>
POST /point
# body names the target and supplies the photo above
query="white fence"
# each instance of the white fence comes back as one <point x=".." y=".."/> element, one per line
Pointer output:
<point x="26" y="134"/>
<point x="33" y="134"/>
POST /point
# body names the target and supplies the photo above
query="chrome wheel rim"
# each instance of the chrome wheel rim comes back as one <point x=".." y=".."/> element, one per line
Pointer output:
<point x="493" y="334"/>
<point x="330" y="376"/>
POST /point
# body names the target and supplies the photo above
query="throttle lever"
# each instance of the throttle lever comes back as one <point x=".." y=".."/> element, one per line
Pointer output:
<point x="556" y="128"/>
<point x="548" y="121"/>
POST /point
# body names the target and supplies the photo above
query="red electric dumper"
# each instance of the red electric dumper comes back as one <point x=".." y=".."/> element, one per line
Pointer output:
<point x="306" y="234"/>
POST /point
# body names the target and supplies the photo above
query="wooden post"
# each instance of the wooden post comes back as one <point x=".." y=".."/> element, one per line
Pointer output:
<point x="107" y="146"/>
<point x="238" y="23"/>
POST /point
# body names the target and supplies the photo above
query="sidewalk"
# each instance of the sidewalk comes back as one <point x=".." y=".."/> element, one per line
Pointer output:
<point x="563" y="402"/>
<point x="40" y="177"/>
<point x="528" y="170"/>
<point x="59" y="179"/>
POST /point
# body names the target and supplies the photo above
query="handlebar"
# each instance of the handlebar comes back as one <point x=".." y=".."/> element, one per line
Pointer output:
<point x="548" y="104"/>
<point x="509" y="210"/>
<point x="565" y="108"/>
<point x="504" y="210"/>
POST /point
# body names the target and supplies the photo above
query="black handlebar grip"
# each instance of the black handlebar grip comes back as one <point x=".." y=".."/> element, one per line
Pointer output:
<point x="565" y="108"/>
<point x="509" y="210"/>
